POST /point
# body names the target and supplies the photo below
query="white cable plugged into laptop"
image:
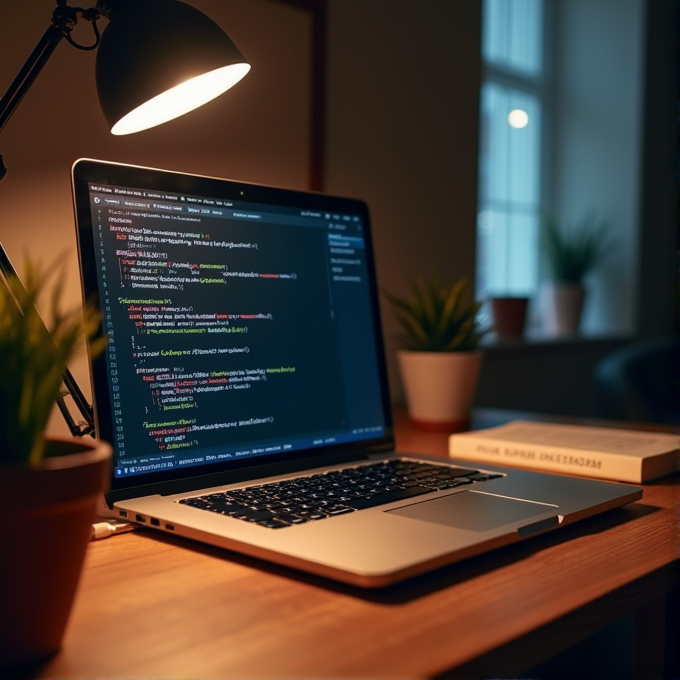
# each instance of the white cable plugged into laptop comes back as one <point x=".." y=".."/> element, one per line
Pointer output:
<point x="109" y="528"/>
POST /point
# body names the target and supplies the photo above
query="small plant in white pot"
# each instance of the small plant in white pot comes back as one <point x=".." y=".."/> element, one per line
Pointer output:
<point x="570" y="255"/>
<point x="439" y="359"/>
<point x="49" y="487"/>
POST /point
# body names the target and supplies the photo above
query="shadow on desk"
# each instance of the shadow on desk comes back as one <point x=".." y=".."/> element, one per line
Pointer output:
<point x="443" y="577"/>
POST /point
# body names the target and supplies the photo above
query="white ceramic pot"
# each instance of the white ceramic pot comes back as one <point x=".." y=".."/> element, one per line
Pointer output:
<point x="439" y="387"/>
<point x="561" y="306"/>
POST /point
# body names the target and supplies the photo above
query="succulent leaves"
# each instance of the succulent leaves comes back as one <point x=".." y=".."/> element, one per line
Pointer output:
<point x="438" y="318"/>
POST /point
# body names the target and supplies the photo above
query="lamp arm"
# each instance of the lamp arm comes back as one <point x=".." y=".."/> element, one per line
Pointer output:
<point x="25" y="78"/>
<point x="77" y="429"/>
<point x="64" y="18"/>
<point x="86" y="425"/>
<point x="29" y="72"/>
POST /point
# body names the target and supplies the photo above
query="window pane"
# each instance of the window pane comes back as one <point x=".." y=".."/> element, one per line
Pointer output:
<point x="512" y="32"/>
<point x="509" y="192"/>
<point x="507" y="253"/>
<point x="509" y="156"/>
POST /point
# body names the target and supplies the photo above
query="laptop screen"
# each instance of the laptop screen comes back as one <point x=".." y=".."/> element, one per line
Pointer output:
<point x="242" y="321"/>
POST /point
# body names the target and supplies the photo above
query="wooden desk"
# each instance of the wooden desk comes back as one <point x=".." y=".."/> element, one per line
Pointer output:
<point x="152" y="606"/>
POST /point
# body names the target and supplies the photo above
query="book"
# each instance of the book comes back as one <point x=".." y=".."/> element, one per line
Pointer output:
<point x="602" y="452"/>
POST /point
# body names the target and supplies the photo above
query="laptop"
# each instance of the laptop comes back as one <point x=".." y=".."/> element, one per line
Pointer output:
<point x="244" y="386"/>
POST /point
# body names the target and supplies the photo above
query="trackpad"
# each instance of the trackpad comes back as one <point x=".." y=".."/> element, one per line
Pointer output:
<point x="473" y="511"/>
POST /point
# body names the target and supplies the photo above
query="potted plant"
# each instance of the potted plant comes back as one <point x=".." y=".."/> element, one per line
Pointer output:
<point x="570" y="255"/>
<point x="439" y="359"/>
<point x="49" y="487"/>
<point x="509" y="313"/>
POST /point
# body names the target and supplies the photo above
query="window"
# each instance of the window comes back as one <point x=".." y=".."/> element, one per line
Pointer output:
<point x="512" y="119"/>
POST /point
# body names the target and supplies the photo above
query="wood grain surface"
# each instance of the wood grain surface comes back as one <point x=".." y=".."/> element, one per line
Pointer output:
<point x="152" y="605"/>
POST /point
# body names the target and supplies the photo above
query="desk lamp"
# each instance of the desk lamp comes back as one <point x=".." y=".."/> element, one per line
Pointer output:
<point x="157" y="60"/>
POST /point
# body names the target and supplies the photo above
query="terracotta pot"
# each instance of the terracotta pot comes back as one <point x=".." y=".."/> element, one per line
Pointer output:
<point x="561" y="305"/>
<point x="439" y="387"/>
<point x="509" y="316"/>
<point x="47" y="513"/>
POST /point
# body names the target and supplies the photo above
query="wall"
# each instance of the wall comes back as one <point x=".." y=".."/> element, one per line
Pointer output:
<point x="659" y="244"/>
<point x="402" y="133"/>
<point x="546" y="377"/>
<point x="597" y="144"/>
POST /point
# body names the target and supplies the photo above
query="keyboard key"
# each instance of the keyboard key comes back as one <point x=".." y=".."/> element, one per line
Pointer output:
<point x="273" y="524"/>
<point x="388" y="497"/>
<point x="291" y="519"/>
<point x="255" y="515"/>
<point x="338" y="510"/>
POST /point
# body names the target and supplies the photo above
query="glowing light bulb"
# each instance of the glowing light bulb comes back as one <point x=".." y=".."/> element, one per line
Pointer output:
<point x="518" y="118"/>
<point x="181" y="99"/>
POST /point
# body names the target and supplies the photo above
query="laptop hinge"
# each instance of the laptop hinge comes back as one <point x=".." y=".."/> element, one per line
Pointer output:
<point x="250" y="473"/>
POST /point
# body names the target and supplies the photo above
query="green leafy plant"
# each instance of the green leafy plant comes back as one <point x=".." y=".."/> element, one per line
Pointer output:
<point x="438" y="318"/>
<point x="33" y="360"/>
<point x="571" y="255"/>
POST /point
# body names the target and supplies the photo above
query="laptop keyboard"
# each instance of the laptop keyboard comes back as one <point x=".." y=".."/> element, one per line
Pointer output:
<point x="277" y="505"/>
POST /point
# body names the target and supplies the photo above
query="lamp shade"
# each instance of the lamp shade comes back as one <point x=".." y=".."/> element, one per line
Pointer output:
<point x="159" y="59"/>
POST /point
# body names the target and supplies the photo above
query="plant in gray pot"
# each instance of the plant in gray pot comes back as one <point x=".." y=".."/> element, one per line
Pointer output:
<point x="49" y="487"/>
<point x="570" y="255"/>
<point x="439" y="359"/>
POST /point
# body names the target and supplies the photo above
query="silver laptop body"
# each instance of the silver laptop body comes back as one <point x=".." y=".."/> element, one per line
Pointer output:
<point x="244" y="349"/>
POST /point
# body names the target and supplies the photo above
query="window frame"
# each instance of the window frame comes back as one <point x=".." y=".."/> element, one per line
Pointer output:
<point x="536" y="85"/>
